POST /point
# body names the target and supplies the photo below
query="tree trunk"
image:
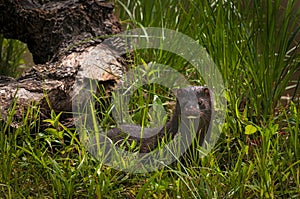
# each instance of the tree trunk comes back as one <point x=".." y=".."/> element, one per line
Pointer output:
<point x="65" y="38"/>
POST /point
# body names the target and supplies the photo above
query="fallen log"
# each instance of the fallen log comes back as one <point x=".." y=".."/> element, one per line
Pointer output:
<point x="66" y="41"/>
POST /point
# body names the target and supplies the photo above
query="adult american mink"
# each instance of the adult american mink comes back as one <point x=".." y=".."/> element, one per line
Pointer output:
<point x="193" y="103"/>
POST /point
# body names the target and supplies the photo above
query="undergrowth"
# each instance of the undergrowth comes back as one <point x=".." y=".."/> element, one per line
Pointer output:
<point x="257" y="154"/>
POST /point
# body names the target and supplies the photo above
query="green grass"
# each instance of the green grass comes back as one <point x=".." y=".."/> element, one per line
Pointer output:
<point x="251" y="48"/>
<point x="11" y="61"/>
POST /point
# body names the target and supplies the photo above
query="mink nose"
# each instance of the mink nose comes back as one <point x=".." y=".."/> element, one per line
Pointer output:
<point x="191" y="109"/>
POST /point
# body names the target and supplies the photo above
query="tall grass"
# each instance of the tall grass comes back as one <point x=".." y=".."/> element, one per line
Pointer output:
<point x="254" y="50"/>
<point x="11" y="52"/>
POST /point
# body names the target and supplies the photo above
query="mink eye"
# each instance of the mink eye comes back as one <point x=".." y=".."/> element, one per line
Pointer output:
<point x="201" y="104"/>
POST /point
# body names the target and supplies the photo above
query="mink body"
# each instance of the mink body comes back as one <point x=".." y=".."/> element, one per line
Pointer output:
<point x="186" y="110"/>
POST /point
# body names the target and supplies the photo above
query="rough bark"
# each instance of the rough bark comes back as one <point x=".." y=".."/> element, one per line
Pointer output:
<point x="51" y="26"/>
<point x="54" y="31"/>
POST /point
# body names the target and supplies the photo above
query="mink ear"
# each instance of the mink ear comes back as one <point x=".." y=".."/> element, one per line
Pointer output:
<point x="206" y="91"/>
<point x="176" y="91"/>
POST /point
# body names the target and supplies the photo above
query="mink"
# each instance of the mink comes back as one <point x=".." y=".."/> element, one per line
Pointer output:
<point x="188" y="108"/>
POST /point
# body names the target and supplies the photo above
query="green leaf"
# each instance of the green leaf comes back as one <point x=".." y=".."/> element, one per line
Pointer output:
<point x="157" y="113"/>
<point x="51" y="131"/>
<point x="133" y="144"/>
<point x="55" y="133"/>
<point x="60" y="134"/>
<point x="49" y="121"/>
<point x="249" y="129"/>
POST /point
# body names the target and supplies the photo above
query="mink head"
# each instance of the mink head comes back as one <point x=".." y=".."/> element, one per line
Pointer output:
<point x="194" y="101"/>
